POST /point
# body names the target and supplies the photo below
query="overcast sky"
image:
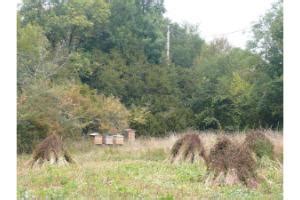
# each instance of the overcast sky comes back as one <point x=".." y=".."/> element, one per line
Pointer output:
<point x="218" y="18"/>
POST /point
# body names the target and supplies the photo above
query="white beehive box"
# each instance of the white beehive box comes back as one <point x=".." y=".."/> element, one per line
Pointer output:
<point x="108" y="139"/>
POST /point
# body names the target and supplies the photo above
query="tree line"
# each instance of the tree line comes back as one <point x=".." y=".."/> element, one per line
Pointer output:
<point x="81" y="60"/>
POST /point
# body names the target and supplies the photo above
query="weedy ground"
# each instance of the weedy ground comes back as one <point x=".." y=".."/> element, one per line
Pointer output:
<point x="141" y="171"/>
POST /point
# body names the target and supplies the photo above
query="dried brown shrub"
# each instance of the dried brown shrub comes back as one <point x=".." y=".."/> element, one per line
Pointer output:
<point x="189" y="147"/>
<point x="51" y="150"/>
<point x="235" y="163"/>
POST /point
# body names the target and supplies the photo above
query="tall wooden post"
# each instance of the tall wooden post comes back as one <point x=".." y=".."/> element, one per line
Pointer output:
<point x="168" y="45"/>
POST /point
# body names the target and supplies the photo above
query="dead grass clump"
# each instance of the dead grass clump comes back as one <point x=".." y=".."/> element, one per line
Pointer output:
<point x="231" y="163"/>
<point x="259" y="144"/>
<point x="188" y="148"/>
<point x="51" y="150"/>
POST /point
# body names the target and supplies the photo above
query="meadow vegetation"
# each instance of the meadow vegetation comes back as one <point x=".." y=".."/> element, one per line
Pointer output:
<point x="143" y="171"/>
<point x="88" y="66"/>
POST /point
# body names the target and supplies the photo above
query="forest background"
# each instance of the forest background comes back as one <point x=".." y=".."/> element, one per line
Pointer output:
<point x="82" y="62"/>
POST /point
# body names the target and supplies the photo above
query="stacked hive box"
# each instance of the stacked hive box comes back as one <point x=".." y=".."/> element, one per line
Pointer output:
<point x="130" y="135"/>
<point x="118" y="139"/>
<point x="108" y="139"/>
<point x="98" y="139"/>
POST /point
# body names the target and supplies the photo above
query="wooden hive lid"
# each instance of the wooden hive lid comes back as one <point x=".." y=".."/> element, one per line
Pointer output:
<point x="118" y="135"/>
<point x="94" y="134"/>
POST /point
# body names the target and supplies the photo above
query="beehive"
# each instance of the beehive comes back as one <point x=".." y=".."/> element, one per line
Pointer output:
<point x="92" y="135"/>
<point x="118" y="139"/>
<point x="108" y="139"/>
<point x="98" y="139"/>
<point x="130" y="135"/>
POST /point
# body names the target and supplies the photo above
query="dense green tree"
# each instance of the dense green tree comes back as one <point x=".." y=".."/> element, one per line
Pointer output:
<point x="268" y="43"/>
<point x="110" y="58"/>
<point x="185" y="44"/>
<point x="137" y="29"/>
<point x="67" y="22"/>
<point x="32" y="50"/>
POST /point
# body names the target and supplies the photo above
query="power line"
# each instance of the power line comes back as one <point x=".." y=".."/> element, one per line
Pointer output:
<point x="236" y="31"/>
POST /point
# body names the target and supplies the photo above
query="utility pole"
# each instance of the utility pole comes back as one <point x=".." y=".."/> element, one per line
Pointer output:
<point x="168" y="45"/>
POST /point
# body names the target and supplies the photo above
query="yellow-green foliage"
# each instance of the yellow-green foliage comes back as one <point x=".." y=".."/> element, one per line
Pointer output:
<point x="80" y="101"/>
<point x="67" y="108"/>
<point x="238" y="85"/>
<point x="31" y="41"/>
<point x="138" y="115"/>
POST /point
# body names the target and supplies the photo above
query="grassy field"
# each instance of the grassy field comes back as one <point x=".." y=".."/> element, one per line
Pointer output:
<point x="140" y="171"/>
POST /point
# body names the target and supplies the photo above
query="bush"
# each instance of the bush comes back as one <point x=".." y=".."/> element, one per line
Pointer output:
<point x="153" y="126"/>
<point x="259" y="144"/>
<point x="263" y="148"/>
<point x="65" y="109"/>
<point x="160" y="123"/>
<point x="178" y="119"/>
<point x="204" y="122"/>
<point x="29" y="133"/>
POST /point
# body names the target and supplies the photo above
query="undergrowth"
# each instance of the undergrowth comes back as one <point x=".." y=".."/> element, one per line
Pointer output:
<point x="138" y="172"/>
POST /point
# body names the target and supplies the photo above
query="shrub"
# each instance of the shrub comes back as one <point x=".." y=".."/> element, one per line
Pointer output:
<point x="259" y="144"/>
<point x="29" y="134"/>
<point x="65" y="109"/>
<point x="204" y="122"/>
<point x="153" y="126"/>
<point x="160" y="123"/>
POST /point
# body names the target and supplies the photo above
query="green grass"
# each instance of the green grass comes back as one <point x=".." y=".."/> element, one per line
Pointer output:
<point x="135" y="173"/>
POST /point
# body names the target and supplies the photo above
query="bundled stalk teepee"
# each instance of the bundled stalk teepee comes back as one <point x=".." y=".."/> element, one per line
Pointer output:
<point x="231" y="164"/>
<point x="188" y="148"/>
<point x="52" y="151"/>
